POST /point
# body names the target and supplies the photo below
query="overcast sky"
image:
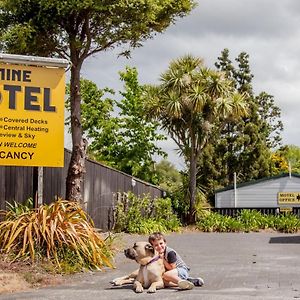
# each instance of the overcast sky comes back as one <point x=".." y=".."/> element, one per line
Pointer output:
<point x="268" y="30"/>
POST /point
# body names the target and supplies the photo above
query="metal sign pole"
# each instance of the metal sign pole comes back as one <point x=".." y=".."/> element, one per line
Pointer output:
<point x="40" y="186"/>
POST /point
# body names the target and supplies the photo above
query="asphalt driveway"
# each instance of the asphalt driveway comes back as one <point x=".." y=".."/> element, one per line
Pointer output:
<point x="233" y="265"/>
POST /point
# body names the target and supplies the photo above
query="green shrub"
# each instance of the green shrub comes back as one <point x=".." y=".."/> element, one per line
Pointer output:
<point x="215" y="222"/>
<point x="144" y="215"/>
<point x="233" y="225"/>
<point x="131" y="212"/>
<point x="247" y="220"/>
<point x="163" y="214"/>
<point x="251" y="220"/>
<point x="146" y="227"/>
<point x="288" y="223"/>
<point x="270" y="221"/>
<point x="208" y="223"/>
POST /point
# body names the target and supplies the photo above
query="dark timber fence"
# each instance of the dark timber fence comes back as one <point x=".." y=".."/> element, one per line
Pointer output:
<point x="234" y="211"/>
<point x="101" y="187"/>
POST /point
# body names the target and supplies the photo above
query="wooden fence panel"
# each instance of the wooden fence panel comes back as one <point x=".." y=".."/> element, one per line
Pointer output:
<point x="54" y="180"/>
<point x="101" y="183"/>
<point x="16" y="184"/>
<point x="3" y="188"/>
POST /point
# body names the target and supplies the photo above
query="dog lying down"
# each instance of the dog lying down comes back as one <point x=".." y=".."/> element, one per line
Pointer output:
<point x="149" y="274"/>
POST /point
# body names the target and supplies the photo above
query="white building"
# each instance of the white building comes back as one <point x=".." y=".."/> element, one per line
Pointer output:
<point x="282" y="191"/>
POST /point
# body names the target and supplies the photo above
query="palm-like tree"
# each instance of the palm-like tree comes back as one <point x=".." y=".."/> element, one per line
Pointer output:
<point x="192" y="103"/>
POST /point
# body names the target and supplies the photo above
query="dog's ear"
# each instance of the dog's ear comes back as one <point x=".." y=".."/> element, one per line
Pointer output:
<point x="150" y="248"/>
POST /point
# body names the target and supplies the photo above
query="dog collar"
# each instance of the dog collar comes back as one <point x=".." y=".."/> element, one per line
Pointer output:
<point x="152" y="260"/>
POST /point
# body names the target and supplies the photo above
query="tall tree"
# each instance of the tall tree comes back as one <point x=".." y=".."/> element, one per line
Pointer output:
<point x="293" y="158"/>
<point x="280" y="163"/>
<point x="246" y="145"/>
<point x="77" y="29"/>
<point x="122" y="138"/>
<point x="169" y="177"/>
<point x="269" y="115"/>
<point x="192" y="102"/>
<point x="286" y="159"/>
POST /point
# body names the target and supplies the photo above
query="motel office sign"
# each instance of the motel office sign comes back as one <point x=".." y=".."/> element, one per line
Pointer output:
<point x="289" y="198"/>
<point x="32" y="94"/>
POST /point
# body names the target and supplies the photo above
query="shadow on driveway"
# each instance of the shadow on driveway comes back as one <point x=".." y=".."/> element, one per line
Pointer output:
<point x="285" y="240"/>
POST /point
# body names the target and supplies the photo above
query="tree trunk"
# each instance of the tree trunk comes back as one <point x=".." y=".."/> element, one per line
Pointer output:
<point x="192" y="187"/>
<point x="77" y="164"/>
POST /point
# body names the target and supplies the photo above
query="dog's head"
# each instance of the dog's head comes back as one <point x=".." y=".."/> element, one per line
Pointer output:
<point x="140" y="252"/>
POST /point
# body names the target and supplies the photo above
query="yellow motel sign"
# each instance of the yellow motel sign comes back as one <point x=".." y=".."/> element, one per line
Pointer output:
<point x="289" y="198"/>
<point x="31" y="114"/>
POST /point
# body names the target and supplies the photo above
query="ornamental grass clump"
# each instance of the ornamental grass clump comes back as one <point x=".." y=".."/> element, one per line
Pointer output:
<point x="214" y="222"/>
<point x="252" y="220"/>
<point x="61" y="233"/>
<point x="247" y="221"/>
<point x="287" y="223"/>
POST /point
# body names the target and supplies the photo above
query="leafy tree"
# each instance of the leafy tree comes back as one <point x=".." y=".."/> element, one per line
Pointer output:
<point x="169" y="178"/>
<point x="279" y="161"/>
<point x="245" y="146"/>
<point x="285" y="159"/>
<point x="269" y="115"/>
<point x="212" y="168"/>
<point x="119" y="133"/>
<point x="77" y="29"/>
<point x="192" y="102"/>
<point x="128" y="141"/>
<point x="97" y="109"/>
<point x="293" y="158"/>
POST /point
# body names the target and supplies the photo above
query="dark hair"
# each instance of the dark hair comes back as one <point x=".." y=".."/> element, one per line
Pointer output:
<point x="156" y="236"/>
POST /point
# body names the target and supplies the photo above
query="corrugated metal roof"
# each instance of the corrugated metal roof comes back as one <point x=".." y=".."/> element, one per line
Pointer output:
<point x="34" y="60"/>
<point x="252" y="182"/>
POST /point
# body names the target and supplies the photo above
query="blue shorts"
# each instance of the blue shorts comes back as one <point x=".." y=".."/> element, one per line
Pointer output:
<point x="182" y="272"/>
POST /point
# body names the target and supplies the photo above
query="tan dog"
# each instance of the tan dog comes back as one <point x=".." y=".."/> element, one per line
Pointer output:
<point x="149" y="275"/>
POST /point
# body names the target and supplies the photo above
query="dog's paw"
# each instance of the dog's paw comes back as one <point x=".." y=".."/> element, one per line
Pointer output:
<point x="151" y="290"/>
<point x="116" y="281"/>
<point x="139" y="289"/>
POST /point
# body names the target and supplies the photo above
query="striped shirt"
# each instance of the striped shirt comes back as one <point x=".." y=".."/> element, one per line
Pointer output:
<point x="171" y="256"/>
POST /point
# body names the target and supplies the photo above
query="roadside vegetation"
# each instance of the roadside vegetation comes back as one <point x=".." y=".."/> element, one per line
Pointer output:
<point x="59" y="236"/>
<point x="144" y="215"/>
<point x="247" y="221"/>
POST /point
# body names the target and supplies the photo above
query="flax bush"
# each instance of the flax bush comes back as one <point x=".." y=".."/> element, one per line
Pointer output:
<point x="15" y="209"/>
<point x="61" y="233"/>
